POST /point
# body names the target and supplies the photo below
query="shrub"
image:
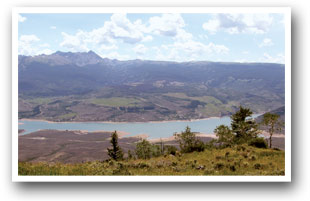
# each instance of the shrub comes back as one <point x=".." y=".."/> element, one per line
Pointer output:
<point x="189" y="143"/>
<point x="170" y="150"/>
<point x="258" y="142"/>
<point x="257" y="166"/>
<point x="210" y="145"/>
<point x="219" y="166"/>
<point x="144" y="149"/>
<point x="156" y="150"/>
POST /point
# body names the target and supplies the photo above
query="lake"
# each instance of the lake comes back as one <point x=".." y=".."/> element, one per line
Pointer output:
<point x="152" y="129"/>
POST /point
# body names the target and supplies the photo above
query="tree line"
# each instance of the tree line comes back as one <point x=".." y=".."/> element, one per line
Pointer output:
<point x="242" y="130"/>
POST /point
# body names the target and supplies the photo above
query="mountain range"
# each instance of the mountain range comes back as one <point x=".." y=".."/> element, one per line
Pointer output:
<point x="142" y="90"/>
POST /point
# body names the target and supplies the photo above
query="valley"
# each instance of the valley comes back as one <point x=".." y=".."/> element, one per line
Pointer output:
<point x="85" y="87"/>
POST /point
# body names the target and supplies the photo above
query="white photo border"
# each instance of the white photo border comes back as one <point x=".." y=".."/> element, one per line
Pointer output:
<point x="286" y="11"/>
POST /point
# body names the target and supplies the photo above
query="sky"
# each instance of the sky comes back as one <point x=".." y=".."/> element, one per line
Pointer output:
<point x="226" y="37"/>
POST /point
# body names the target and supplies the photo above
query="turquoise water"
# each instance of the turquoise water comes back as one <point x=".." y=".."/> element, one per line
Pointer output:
<point x="152" y="129"/>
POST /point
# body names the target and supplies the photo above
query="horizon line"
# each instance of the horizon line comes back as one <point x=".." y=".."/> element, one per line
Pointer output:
<point x="89" y="51"/>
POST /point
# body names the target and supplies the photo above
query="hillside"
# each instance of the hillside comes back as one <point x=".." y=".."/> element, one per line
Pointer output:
<point x="67" y="86"/>
<point x="239" y="160"/>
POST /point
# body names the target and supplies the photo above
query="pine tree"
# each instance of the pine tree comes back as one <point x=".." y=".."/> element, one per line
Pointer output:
<point x="244" y="127"/>
<point x="242" y="130"/>
<point x="115" y="152"/>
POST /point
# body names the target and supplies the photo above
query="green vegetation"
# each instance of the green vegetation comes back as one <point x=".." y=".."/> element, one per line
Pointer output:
<point x="258" y="142"/>
<point x="236" y="160"/>
<point x="188" y="142"/>
<point x="143" y="149"/>
<point x="67" y="116"/>
<point x="273" y="124"/>
<point x="41" y="101"/>
<point x="115" y="152"/>
<point x="115" y="101"/>
<point x="237" y="151"/>
<point x="242" y="130"/>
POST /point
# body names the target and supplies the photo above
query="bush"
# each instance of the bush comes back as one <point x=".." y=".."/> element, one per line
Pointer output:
<point x="156" y="150"/>
<point x="258" y="142"/>
<point x="144" y="149"/>
<point x="189" y="143"/>
<point x="170" y="150"/>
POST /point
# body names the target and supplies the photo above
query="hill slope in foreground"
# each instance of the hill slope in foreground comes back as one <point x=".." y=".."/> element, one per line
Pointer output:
<point x="67" y="86"/>
<point x="239" y="160"/>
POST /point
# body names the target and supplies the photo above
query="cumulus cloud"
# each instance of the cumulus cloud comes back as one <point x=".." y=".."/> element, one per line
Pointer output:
<point x="75" y="42"/>
<point x="266" y="42"/>
<point x="29" y="45"/>
<point x="118" y="28"/>
<point x="239" y="23"/>
<point x="115" y="55"/>
<point x="166" y="24"/>
<point x="108" y="47"/>
<point x="279" y="58"/>
<point x="21" y="18"/>
<point x="140" y="49"/>
<point x="190" y="50"/>
<point x="52" y="27"/>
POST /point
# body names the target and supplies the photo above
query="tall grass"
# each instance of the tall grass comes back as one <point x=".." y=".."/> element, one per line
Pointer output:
<point x="238" y="160"/>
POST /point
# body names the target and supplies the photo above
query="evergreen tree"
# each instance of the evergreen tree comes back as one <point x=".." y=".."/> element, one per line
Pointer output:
<point x="243" y="126"/>
<point x="242" y="130"/>
<point x="115" y="152"/>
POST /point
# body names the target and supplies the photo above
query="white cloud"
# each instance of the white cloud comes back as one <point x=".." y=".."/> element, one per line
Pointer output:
<point x="44" y="51"/>
<point x="21" y="18"/>
<point x="190" y="50"/>
<point x="52" y="27"/>
<point x="75" y="42"/>
<point x="239" y="23"/>
<point x="203" y="36"/>
<point x="140" y="49"/>
<point x="29" y="45"/>
<point x="279" y="58"/>
<point x="108" y="47"/>
<point x="166" y="24"/>
<point x="115" y="55"/>
<point x="147" y="38"/>
<point x="118" y="28"/>
<point x="266" y="43"/>
<point x="29" y="38"/>
<point x="26" y="44"/>
<point x="212" y="25"/>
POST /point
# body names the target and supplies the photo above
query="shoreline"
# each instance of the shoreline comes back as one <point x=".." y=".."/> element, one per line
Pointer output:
<point x="123" y="134"/>
<point x="126" y="122"/>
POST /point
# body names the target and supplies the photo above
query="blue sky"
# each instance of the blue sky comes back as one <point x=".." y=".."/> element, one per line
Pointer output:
<point x="171" y="37"/>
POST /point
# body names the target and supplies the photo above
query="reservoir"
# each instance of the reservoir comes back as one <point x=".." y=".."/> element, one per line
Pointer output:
<point x="152" y="129"/>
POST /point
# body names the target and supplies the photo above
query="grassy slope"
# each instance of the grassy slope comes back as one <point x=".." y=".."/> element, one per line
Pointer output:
<point x="241" y="160"/>
<point x="115" y="101"/>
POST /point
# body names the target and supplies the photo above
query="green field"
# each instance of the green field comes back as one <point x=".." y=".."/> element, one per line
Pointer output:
<point x="115" y="101"/>
<point x="239" y="160"/>
<point x="205" y="99"/>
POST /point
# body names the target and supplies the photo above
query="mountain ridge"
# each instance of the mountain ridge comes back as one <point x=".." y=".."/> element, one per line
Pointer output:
<point x="161" y="90"/>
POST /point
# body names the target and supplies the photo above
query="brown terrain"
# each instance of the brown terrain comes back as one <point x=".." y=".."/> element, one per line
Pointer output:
<point x="81" y="146"/>
<point x="68" y="146"/>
